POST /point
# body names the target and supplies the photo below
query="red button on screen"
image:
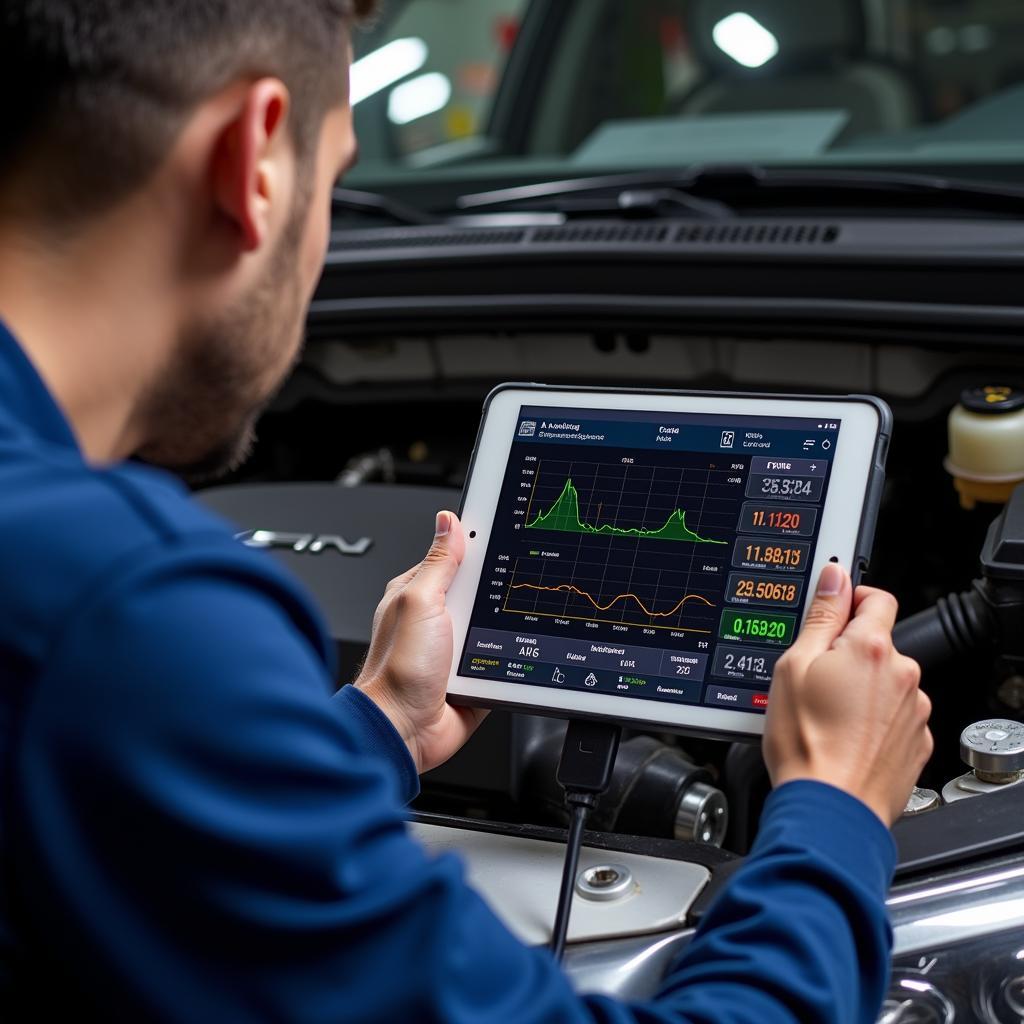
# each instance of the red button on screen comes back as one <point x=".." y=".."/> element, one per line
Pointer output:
<point x="760" y="700"/>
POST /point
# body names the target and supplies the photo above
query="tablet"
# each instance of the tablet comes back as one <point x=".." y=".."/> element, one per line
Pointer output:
<point x="647" y="557"/>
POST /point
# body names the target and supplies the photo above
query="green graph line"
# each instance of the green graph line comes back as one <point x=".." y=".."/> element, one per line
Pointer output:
<point x="564" y="516"/>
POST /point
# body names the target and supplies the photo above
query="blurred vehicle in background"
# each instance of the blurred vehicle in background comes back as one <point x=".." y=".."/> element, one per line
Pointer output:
<point x="510" y="88"/>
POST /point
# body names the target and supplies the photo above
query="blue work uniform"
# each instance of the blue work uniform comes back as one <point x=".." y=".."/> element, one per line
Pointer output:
<point x="193" y="829"/>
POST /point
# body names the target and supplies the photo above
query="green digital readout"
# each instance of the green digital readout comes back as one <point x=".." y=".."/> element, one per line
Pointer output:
<point x="758" y="626"/>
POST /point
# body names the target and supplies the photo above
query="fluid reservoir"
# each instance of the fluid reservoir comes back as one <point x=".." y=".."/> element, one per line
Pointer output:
<point x="986" y="444"/>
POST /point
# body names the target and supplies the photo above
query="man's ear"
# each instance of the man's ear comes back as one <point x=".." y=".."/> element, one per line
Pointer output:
<point x="252" y="162"/>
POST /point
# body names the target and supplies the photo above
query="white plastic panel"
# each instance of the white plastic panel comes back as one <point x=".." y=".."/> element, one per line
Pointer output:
<point x="519" y="878"/>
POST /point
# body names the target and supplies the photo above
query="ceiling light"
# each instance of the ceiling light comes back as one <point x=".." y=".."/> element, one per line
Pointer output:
<point x="391" y="63"/>
<point x="745" y="39"/>
<point x="419" y="97"/>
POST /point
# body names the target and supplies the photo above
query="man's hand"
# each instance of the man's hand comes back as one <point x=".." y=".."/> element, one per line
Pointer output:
<point x="845" y="706"/>
<point x="406" y="669"/>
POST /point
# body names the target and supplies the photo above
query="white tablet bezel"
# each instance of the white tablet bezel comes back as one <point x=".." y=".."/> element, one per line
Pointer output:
<point x="840" y="527"/>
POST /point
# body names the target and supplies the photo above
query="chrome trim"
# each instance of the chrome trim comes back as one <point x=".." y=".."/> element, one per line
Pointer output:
<point x="927" y="917"/>
<point x="918" y="894"/>
<point x="940" y="912"/>
<point x="626" y="969"/>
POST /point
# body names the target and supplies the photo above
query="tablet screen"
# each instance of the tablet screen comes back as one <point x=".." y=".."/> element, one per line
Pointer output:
<point x="663" y="556"/>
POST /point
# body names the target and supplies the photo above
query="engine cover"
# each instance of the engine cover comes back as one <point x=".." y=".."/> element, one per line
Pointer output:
<point x="343" y="543"/>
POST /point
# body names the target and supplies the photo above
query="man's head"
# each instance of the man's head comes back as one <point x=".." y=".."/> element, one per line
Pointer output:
<point x="222" y="124"/>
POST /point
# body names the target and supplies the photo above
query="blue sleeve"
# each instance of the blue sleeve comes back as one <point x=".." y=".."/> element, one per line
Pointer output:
<point x="800" y="933"/>
<point x="203" y="834"/>
<point x="375" y="735"/>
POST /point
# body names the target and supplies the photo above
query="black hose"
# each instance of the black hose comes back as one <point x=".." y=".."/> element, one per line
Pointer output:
<point x="957" y="626"/>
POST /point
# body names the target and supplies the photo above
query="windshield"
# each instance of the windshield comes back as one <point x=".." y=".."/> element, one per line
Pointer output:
<point x="563" y="88"/>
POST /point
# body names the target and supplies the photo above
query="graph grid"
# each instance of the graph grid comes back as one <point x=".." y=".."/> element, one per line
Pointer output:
<point x="617" y="594"/>
<point x="627" y="544"/>
<point x="666" y="503"/>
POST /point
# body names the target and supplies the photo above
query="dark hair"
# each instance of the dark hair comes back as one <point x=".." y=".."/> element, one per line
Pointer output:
<point x="99" y="89"/>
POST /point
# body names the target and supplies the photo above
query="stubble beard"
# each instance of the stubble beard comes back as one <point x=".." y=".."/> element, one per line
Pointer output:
<point x="205" y="409"/>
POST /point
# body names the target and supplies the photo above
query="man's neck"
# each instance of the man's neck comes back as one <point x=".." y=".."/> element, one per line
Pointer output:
<point x="82" y="314"/>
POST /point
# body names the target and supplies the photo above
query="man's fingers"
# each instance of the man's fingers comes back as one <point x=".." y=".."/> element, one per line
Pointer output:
<point x="862" y="593"/>
<point x="875" y="615"/>
<point x="437" y="570"/>
<point x="827" y="615"/>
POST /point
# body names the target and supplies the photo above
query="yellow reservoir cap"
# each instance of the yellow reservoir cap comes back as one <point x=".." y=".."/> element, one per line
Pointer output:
<point x="986" y="444"/>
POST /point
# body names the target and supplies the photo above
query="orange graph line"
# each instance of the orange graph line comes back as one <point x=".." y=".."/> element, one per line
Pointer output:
<point x="570" y="589"/>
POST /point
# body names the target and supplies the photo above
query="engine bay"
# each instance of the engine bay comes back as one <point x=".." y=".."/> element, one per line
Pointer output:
<point x="419" y="399"/>
<point x="374" y="432"/>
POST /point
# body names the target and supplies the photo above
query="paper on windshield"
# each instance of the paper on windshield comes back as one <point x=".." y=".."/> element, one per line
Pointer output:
<point x="720" y="138"/>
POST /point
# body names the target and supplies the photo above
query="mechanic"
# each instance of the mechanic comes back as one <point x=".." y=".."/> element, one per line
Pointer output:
<point x="191" y="828"/>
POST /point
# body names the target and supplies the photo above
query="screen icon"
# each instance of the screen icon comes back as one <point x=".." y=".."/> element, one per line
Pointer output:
<point x="809" y="444"/>
<point x="528" y="428"/>
<point x="558" y="676"/>
<point x="591" y="680"/>
<point x="728" y="438"/>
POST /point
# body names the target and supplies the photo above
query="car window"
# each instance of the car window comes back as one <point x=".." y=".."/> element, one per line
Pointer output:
<point x="428" y="75"/>
<point x="580" y="84"/>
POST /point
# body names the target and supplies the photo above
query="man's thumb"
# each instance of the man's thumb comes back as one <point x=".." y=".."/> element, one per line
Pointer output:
<point x="445" y="555"/>
<point x="828" y="613"/>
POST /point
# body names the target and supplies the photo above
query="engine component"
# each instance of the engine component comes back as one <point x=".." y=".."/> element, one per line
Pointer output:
<point x="605" y="882"/>
<point x="912" y="998"/>
<point x="358" y="539"/>
<point x="994" y="749"/>
<point x="746" y="784"/>
<point x="378" y="465"/>
<point x="956" y="627"/>
<point x="921" y="800"/>
<point x="986" y="444"/>
<point x="655" y="791"/>
<point x="702" y="815"/>
<point x="985" y="619"/>
<point x="1004" y="1003"/>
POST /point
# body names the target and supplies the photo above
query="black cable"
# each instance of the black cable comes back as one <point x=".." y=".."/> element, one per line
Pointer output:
<point x="565" y="894"/>
<point x="584" y="772"/>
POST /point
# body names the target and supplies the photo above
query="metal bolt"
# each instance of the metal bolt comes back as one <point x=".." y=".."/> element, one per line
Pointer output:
<point x="605" y="882"/>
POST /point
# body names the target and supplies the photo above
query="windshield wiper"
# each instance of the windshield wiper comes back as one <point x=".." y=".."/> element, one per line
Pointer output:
<point x="376" y="205"/>
<point x="743" y="183"/>
<point x="621" y="195"/>
<point x="644" y="202"/>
